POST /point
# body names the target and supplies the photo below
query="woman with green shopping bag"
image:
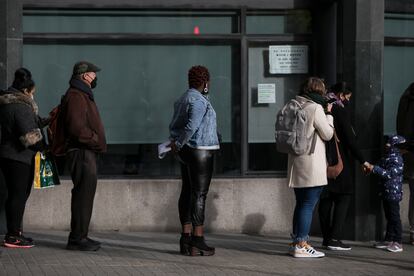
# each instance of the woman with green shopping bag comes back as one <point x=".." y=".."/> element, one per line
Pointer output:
<point x="21" y="138"/>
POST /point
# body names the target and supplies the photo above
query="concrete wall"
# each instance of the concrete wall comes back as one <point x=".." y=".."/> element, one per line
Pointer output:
<point x="234" y="205"/>
<point x="256" y="206"/>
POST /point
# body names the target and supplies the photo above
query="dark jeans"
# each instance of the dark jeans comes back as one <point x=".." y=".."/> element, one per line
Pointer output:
<point x="82" y="165"/>
<point x="411" y="205"/>
<point x="196" y="172"/>
<point x="19" y="180"/>
<point x="306" y="199"/>
<point x="392" y="214"/>
<point x="333" y="208"/>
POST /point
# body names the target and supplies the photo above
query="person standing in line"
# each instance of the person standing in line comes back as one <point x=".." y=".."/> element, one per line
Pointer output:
<point x="405" y="128"/>
<point x="84" y="137"/>
<point x="193" y="135"/>
<point x="390" y="169"/>
<point x="307" y="173"/>
<point x="21" y="138"/>
<point x="336" y="196"/>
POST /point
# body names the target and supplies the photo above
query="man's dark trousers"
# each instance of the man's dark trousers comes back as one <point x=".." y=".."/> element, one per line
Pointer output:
<point x="82" y="165"/>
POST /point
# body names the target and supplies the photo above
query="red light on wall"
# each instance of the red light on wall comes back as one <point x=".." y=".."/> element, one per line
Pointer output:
<point x="196" y="30"/>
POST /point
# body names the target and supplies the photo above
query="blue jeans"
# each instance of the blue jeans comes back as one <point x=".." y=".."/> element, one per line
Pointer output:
<point x="306" y="199"/>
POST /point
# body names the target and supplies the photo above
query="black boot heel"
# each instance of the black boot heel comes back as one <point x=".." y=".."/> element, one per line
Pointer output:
<point x="200" y="248"/>
<point x="185" y="244"/>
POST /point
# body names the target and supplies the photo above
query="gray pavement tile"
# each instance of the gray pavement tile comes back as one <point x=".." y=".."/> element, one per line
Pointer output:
<point x="146" y="253"/>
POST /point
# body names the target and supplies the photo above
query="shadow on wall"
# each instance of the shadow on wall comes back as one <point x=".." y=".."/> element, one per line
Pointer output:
<point x="253" y="223"/>
<point x="211" y="211"/>
<point x="168" y="216"/>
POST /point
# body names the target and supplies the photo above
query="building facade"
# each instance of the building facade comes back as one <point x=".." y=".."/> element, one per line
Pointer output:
<point x="145" y="49"/>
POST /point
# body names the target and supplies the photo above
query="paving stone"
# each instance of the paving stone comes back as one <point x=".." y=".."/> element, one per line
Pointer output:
<point x="146" y="253"/>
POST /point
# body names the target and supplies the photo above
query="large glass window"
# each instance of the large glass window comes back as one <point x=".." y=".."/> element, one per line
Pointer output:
<point x="283" y="22"/>
<point x="145" y="56"/>
<point x="399" y="25"/>
<point x="396" y="81"/>
<point x="147" y="22"/>
<point x="398" y="53"/>
<point x="137" y="87"/>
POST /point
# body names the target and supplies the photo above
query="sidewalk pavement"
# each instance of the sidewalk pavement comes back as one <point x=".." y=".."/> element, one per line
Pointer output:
<point x="149" y="253"/>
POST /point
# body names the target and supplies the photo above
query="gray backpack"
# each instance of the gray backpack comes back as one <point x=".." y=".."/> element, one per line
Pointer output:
<point x="290" y="130"/>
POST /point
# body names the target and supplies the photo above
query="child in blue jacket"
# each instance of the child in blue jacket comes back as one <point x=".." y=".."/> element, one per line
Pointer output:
<point x="390" y="169"/>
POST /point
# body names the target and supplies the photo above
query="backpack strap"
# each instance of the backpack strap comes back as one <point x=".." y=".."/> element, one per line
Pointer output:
<point x="286" y="105"/>
<point x="313" y="145"/>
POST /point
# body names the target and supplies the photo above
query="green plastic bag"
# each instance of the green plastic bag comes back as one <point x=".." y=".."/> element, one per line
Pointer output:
<point x="45" y="175"/>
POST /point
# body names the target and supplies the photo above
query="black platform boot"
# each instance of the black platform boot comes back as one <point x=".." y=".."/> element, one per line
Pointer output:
<point x="200" y="248"/>
<point x="185" y="244"/>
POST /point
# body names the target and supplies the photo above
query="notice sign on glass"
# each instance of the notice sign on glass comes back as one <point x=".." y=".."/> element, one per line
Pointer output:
<point x="288" y="59"/>
<point x="266" y="93"/>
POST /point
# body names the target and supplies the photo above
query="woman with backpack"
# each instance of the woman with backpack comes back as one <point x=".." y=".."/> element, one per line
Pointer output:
<point x="336" y="197"/>
<point x="307" y="172"/>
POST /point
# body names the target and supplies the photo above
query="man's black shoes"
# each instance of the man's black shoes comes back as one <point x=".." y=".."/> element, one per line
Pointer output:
<point x="85" y="244"/>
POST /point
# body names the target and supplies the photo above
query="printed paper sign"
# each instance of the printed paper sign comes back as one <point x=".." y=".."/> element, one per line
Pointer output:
<point x="266" y="93"/>
<point x="288" y="59"/>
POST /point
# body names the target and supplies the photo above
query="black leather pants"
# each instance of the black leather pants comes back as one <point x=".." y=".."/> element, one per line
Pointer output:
<point x="196" y="172"/>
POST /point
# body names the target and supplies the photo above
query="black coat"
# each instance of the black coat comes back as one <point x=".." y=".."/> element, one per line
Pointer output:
<point x="405" y="117"/>
<point x="20" y="127"/>
<point x="348" y="149"/>
<point x="405" y="128"/>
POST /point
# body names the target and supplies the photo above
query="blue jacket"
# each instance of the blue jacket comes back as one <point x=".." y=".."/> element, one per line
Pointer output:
<point x="194" y="122"/>
<point x="390" y="169"/>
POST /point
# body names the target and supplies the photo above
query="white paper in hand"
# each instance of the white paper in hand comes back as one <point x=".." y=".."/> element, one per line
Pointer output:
<point x="163" y="149"/>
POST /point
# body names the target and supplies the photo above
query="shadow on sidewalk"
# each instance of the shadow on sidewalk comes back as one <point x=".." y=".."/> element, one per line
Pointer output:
<point x="377" y="261"/>
<point x="243" y="243"/>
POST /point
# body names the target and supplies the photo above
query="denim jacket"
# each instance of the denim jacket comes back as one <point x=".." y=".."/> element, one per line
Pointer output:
<point x="194" y="122"/>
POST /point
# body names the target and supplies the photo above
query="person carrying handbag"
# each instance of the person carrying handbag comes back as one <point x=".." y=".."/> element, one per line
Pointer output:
<point x="336" y="196"/>
<point x="21" y="138"/>
<point x="333" y="158"/>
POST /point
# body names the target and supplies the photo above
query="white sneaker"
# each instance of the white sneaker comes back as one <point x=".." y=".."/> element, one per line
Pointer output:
<point x="395" y="247"/>
<point x="304" y="250"/>
<point x="382" y="244"/>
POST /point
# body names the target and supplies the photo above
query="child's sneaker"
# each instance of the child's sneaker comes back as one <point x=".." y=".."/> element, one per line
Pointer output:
<point x="17" y="242"/>
<point x="304" y="250"/>
<point x="382" y="244"/>
<point x="395" y="247"/>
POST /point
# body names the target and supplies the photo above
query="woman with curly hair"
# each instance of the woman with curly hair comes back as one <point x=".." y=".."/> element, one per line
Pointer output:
<point x="193" y="135"/>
